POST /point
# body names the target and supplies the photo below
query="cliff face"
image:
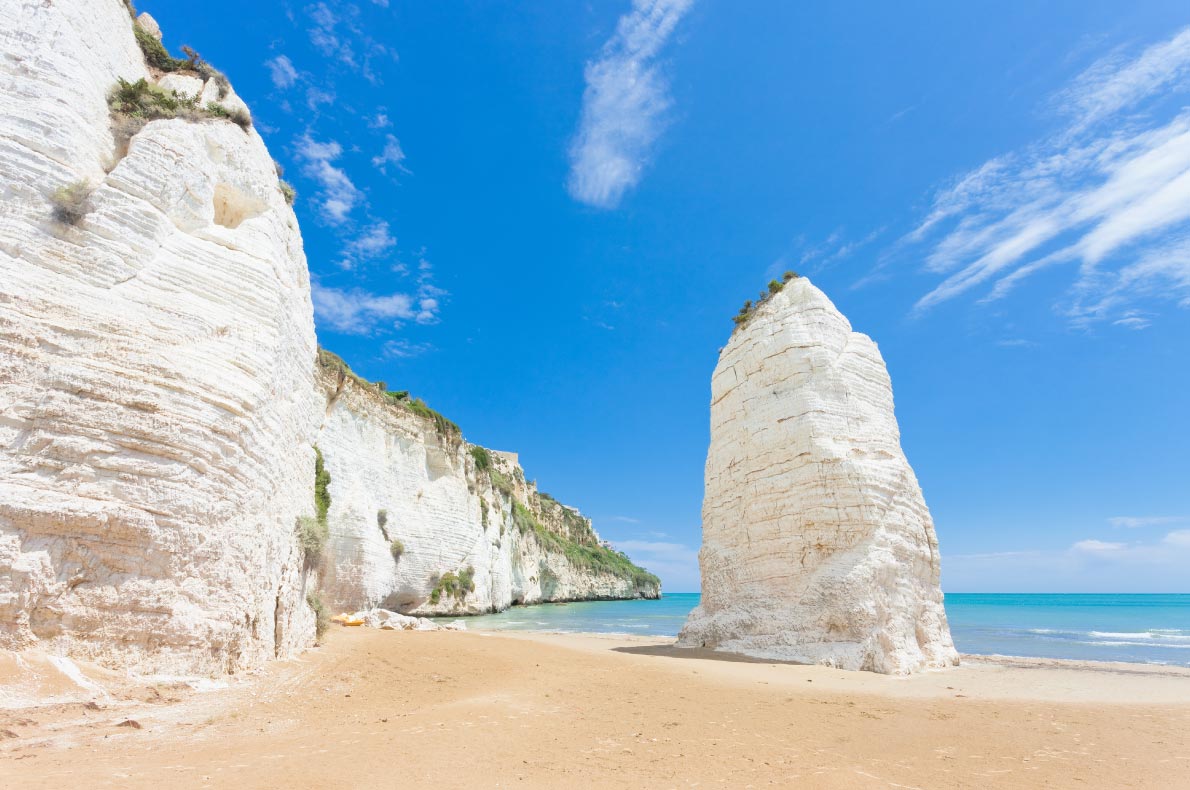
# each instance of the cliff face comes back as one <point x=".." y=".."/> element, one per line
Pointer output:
<point x="159" y="397"/>
<point x="454" y="510"/>
<point x="817" y="543"/>
<point x="150" y="352"/>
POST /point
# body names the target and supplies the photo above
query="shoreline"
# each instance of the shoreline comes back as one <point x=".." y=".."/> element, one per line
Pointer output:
<point x="540" y="710"/>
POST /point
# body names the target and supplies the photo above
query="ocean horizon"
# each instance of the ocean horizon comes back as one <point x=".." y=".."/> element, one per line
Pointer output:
<point x="1145" y="628"/>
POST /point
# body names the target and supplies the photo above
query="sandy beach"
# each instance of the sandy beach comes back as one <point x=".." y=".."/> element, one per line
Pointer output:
<point x="408" y="709"/>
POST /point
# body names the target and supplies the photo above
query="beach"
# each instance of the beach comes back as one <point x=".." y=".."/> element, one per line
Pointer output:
<point x="444" y="709"/>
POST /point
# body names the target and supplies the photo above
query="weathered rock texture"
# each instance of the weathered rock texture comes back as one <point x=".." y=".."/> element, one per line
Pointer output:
<point x="157" y="397"/>
<point x="817" y="544"/>
<point x="160" y="400"/>
<point x="399" y="476"/>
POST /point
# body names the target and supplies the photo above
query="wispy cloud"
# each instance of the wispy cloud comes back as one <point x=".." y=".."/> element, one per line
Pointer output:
<point x="317" y="96"/>
<point x="404" y="349"/>
<point x="391" y="154"/>
<point x="338" y="194"/>
<point x="625" y="104"/>
<point x="1136" y="522"/>
<point x="337" y="32"/>
<point x="282" y="72"/>
<point x="326" y="36"/>
<point x="1109" y="192"/>
<point x="375" y="241"/>
<point x="1090" y="565"/>
<point x="359" y="312"/>
<point x="675" y="563"/>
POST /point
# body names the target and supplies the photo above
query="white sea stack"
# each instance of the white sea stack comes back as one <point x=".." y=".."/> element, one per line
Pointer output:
<point x="818" y="546"/>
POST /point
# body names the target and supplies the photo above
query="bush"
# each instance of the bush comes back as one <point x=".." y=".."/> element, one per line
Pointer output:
<point x="72" y="202"/>
<point x="322" y="616"/>
<point x="442" y="425"/>
<point x="397" y="548"/>
<point x="483" y="459"/>
<point x="789" y="275"/>
<point x="775" y="286"/>
<point x="322" y="481"/>
<point x="134" y="104"/>
<point x="456" y="585"/>
<point x="500" y="482"/>
<point x="382" y="518"/>
<point x="287" y="191"/>
<point x="156" y="55"/>
<point x="312" y="535"/>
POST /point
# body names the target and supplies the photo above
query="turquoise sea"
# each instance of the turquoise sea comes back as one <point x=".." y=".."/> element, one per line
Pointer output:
<point x="1138" y="628"/>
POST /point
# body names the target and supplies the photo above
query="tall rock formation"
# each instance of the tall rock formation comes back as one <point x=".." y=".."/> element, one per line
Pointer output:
<point x="156" y="382"/>
<point x="160" y="401"/>
<point x="817" y="544"/>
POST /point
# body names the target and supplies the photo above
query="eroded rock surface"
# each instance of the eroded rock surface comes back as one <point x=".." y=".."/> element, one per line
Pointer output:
<point x="817" y="543"/>
<point x="157" y="402"/>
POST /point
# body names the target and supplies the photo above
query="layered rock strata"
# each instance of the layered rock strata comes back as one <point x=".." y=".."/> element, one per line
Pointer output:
<point x="818" y="546"/>
<point x="155" y="366"/>
<point x="160" y="401"/>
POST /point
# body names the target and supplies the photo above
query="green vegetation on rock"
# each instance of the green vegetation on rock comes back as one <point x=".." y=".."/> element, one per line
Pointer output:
<point x="333" y="362"/>
<point x="322" y="616"/>
<point x="456" y="585"/>
<point x="594" y="558"/>
<point x="750" y="307"/>
<point x="72" y="202"/>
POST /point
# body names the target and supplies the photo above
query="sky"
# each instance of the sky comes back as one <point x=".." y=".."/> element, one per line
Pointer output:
<point x="540" y="217"/>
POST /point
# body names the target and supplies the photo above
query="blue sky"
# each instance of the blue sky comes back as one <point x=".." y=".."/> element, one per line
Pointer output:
<point x="540" y="217"/>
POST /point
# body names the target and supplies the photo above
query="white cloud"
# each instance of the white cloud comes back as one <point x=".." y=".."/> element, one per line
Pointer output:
<point x="317" y="96"/>
<point x="390" y="155"/>
<point x="360" y="312"/>
<point x="1097" y="546"/>
<point x="675" y="563"/>
<point x="625" y="104"/>
<point x="379" y="121"/>
<point x="1090" y="565"/>
<point x="339" y="194"/>
<point x="372" y="243"/>
<point x="1179" y="537"/>
<point x="282" y="72"/>
<point x="1105" y="192"/>
<point x="326" y="36"/>
<point x="1136" y="522"/>
<point x="404" y="349"/>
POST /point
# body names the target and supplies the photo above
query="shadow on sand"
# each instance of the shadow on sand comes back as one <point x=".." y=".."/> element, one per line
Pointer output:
<point x="706" y="654"/>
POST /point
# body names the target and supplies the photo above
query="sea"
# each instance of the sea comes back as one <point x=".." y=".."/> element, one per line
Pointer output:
<point x="1149" y="629"/>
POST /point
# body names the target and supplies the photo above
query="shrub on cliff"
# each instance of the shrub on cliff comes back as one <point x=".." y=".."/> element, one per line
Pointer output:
<point x="397" y="548"/>
<point x="72" y="202"/>
<point x="322" y="481"/>
<point x="287" y="191"/>
<point x="322" y="615"/>
<point x="312" y="536"/>
<point x="134" y="104"/>
<point x="483" y="459"/>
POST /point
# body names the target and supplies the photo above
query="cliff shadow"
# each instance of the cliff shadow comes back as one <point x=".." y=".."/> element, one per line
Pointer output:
<point x="703" y="653"/>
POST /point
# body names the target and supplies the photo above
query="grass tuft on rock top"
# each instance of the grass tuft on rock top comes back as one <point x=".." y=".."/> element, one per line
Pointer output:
<point x="134" y="104"/>
<point x="399" y="399"/>
<point x="750" y="307"/>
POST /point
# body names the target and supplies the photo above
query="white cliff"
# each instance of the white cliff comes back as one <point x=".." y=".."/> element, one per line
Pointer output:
<point x="157" y="401"/>
<point x="160" y="400"/>
<point x="817" y="543"/>
<point x="396" y="476"/>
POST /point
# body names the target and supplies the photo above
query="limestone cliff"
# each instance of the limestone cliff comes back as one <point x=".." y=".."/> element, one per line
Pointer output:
<point x="817" y="543"/>
<point x="471" y="534"/>
<point x="160" y="401"/>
